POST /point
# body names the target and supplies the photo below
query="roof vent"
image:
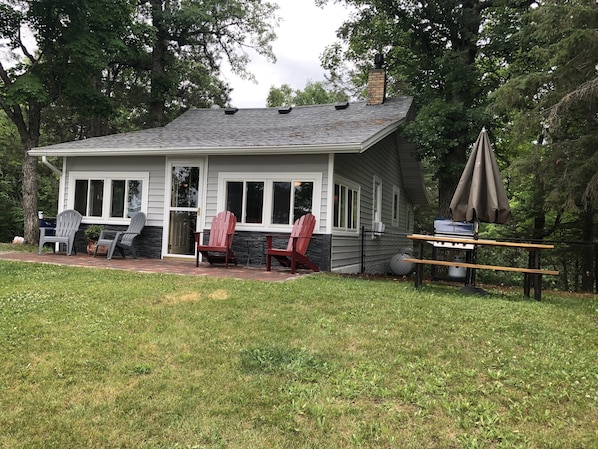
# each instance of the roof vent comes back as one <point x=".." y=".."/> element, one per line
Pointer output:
<point x="340" y="106"/>
<point x="231" y="111"/>
<point x="285" y="110"/>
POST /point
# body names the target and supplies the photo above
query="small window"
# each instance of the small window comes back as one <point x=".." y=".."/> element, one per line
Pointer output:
<point x="346" y="206"/>
<point x="377" y="200"/>
<point x="396" y="200"/>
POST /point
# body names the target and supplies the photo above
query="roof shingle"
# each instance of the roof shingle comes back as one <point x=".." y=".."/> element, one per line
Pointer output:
<point x="318" y="126"/>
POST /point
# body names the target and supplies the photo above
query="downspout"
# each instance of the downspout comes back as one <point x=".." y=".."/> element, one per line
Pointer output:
<point x="50" y="166"/>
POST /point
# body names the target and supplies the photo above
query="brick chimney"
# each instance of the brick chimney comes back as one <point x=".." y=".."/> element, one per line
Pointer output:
<point x="377" y="82"/>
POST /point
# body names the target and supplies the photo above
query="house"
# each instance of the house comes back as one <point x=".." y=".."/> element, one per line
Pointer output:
<point x="346" y="163"/>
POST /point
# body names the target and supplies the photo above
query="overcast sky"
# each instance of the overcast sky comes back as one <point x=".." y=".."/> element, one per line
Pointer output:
<point x="304" y="32"/>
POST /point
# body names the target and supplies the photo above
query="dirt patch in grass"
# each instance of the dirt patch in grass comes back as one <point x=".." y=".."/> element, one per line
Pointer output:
<point x="219" y="295"/>
<point x="187" y="297"/>
<point x="180" y="298"/>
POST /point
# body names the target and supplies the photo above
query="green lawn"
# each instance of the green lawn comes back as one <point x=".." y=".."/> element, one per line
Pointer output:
<point x="111" y="359"/>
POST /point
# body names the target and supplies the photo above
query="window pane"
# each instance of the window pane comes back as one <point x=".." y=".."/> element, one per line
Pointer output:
<point x="96" y="197"/>
<point x="81" y="187"/>
<point x="342" y="212"/>
<point x="117" y="207"/>
<point x="281" y="202"/>
<point x="355" y="210"/>
<point x="350" y="194"/>
<point x="134" y="197"/>
<point x="304" y="192"/>
<point x="337" y="199"/>
<point x="234" y="198"/>
<point x="254" y="202"/>
<point x="181" y="239"/>
<point x="377" y="206"/>
<point x="185" y="186"/>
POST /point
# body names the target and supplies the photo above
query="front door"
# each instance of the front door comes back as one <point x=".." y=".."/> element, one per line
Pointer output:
<point x="184" y="208"/>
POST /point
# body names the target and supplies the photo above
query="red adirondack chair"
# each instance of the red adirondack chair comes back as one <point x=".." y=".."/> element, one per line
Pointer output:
<point x="219" y="247"/>
<point x="294" y="254"/>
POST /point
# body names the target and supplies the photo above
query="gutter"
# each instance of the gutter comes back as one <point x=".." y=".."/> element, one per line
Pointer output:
<point x="212" y="151"/>
<point x="50" y="166"/>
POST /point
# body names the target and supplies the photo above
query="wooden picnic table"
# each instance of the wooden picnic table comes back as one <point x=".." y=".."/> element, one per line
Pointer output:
<point x="532" y="273"/>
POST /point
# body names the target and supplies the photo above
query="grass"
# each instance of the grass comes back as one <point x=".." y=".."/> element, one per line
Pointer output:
<point x="107" y="359"/>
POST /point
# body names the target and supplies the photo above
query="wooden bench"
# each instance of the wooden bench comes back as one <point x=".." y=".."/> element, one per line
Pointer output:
<point x="533" y="272"/>
<point x="448" y="263"/>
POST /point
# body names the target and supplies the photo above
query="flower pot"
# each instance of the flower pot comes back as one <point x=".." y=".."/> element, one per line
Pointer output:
<point x="91" y="247"/>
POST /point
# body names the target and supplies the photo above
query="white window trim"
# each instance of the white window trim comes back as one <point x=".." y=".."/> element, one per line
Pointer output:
<point x="396" y="206"/>
<point x="107" y="177"/>
<point x="377" y="208"/>
<point x="353" y="186"/>
<point x="269" y="179"/>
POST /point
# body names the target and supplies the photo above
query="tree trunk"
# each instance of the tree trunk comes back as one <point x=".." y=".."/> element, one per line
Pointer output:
<point x="159" y="77"/>
<point x="538" y="195"/>
<point x="30" y="140"/>
<point x="449" y="178"/>
<point x="587" y="251"/>
<point x="31" y="223"/>
<point x="446" y="190"/>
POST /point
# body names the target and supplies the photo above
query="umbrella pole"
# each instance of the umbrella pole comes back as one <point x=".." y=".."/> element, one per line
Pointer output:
<point x="476" y="234"/>
<point x="471" y="288"/>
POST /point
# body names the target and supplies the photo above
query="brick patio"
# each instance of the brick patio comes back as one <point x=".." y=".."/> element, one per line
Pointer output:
<point x="170" y="266"/>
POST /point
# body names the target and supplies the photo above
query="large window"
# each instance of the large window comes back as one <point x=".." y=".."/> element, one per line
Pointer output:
<point x="346" y="206"/>
<point x="108" y="196"/>
<point x="273" y="201"/>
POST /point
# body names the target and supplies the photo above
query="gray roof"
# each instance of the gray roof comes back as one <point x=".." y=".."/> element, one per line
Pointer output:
<point x="305" y="129"/>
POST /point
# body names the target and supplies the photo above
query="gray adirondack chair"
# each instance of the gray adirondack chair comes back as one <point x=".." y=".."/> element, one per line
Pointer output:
<point x="121" y="239"/>
<point x="67" y="225"/>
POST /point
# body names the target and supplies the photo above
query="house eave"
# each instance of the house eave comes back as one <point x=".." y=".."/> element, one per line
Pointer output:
<point x="225" y="151"/>
<point x="373" y="140"/>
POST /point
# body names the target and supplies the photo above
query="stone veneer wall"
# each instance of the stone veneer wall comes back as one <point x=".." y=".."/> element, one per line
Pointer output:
<point x="148" y="245"/>
<point x="245" y="245"/>
<point x="252" y="245"/>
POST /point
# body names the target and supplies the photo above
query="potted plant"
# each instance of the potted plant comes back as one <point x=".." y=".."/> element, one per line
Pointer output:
<point x="93" y="234"/>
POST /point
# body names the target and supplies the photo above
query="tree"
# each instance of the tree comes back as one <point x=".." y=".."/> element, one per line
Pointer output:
<point x="94" y="67"/>
<point x="280" y="96"/>
<point x="189" y="41"/>
<point x="11" y="216"/>
<point x="314" y="93"/>
<point x="551" y="98"/>
<point x="450" y="55"/>
<point x="70" y="44"/>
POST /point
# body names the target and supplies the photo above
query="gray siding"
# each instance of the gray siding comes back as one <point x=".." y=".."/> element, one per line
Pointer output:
<point x="154" y="165"/>
<point x="382" y="161"/>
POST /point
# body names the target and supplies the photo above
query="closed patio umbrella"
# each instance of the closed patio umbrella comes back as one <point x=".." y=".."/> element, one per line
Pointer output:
<point x="480" y="194"/>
